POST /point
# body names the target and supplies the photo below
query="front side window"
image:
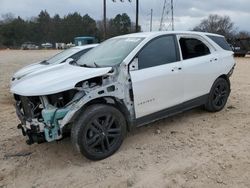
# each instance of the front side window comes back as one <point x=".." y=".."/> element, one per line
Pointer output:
<point x="192" y="48"/>
<point x="158" y="52"/>
<point x="110" y="53"/>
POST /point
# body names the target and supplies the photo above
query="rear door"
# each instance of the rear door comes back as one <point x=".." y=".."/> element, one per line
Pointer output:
<point x="199" y="65"/>
<point x="158" y="82"/>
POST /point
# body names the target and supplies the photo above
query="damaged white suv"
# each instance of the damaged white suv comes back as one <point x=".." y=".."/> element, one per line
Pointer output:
<point x="125" y="82"/>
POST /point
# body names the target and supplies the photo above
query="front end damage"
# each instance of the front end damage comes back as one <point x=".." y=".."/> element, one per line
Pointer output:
<point x="46" y="118"/>
<point x="40" y="116"/>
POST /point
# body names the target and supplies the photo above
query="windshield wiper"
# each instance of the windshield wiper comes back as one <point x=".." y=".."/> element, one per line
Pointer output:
<point x="73" y="62"/>
<point x="96" y="65"/>
<point x="44" y="62"/>
<point x="85" y="65"/>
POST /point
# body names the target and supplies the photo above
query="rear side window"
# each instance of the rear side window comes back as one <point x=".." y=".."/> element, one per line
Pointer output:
<point x="192" y="48"/>
<point x="160" y="51"/>
<point x="221" y="41"/>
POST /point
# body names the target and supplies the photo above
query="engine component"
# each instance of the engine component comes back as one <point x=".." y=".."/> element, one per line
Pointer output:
<point x="51" y="116"/>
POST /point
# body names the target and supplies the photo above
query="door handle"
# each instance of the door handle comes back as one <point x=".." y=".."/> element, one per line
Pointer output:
<point x="214" y="59"/>
<point x="176" y="68"/>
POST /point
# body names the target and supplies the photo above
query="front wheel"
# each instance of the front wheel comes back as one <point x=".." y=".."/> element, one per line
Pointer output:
<point x="218" y="95"/>
<point x="99" y="131"/>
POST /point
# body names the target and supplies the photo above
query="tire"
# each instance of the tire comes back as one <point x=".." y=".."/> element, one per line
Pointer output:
<point x="218" y="95"/>
<point x="99" y="131"/>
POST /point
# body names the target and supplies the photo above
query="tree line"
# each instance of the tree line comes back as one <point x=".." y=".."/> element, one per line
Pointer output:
<point x="44" y="28"/>
<point x="222" y="25"/>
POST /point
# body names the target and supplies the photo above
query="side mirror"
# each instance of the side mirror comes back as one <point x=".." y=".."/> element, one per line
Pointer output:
<point x="134" y="65"/>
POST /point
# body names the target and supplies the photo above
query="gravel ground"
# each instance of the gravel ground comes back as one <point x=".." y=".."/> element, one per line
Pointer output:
<point x="193" y="149"/>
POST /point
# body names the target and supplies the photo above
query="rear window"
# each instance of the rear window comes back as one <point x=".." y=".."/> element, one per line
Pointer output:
<point x="221" y="41"/>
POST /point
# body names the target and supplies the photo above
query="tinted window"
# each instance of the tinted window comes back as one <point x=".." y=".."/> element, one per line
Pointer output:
<point x="221" y="41"/>
<point x="192" y="48"/>
<point x="158" y="52"/>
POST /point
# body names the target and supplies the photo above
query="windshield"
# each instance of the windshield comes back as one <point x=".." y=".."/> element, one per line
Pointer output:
<point x="61" y="56"/>
<point x="109" y="53"/>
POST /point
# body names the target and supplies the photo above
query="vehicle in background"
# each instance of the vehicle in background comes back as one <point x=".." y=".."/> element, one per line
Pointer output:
<point x="80" y="41"/>
<point x="75" y="53"/>
<point x="70" y="45"/>
<point x="240" y="46"/>
<point x="47" y="45"/>
<point x="125" y="82"/>
<point x="29" y="46"/>
<point x="60" y="46"/>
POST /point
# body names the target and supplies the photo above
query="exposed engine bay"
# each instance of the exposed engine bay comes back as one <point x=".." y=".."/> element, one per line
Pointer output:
<point x="40" y="115"/>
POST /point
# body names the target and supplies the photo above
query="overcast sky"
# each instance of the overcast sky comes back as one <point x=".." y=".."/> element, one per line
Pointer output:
<point x="188" y="13"/>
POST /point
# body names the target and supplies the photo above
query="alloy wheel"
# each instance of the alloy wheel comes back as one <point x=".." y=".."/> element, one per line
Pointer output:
<point x="102" y="133"/>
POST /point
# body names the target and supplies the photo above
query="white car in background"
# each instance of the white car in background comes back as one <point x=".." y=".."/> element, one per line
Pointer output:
<point x="125" y="82"/>
<point x="75" y="53"/>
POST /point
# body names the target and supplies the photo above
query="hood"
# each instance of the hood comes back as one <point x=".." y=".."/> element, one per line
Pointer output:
<point x="28" y="69"/>
<point x="55" y="80"/>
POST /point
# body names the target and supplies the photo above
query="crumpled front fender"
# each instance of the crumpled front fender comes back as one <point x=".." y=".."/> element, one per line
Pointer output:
<point x="101" y="92"/>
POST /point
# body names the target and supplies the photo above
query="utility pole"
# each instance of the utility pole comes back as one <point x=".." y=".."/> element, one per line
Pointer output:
<point x="151" y="20"/>
<point x="105" y="19"/>
<point x="137" y="16"/>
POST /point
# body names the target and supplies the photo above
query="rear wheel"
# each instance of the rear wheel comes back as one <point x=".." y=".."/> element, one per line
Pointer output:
<point x="218" y="95"/>
<point x="99" y="131"/>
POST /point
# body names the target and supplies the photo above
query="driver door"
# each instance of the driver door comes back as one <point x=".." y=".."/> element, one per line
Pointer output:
<point x="158" y="82"/>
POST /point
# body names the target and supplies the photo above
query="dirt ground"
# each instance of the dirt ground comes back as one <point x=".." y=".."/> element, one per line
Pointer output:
<point x="193" y="149"/>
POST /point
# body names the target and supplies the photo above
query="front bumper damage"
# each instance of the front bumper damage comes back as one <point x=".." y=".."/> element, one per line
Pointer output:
<point x="29" y="128"/>
<point x="44" y="128"/>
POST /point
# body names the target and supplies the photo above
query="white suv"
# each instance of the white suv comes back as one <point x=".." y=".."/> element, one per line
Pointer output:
<point x="125" y="82"/>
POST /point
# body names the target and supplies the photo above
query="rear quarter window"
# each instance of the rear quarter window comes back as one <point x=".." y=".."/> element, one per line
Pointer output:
<point x="221" y="41"/>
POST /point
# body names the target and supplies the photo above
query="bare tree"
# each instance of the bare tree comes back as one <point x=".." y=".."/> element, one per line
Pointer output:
<point x="217" y="24"/>
<point x="243" y="35"/>
<point x="7" y="18"/>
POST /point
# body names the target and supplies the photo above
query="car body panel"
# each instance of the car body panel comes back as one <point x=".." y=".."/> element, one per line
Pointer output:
<point x="55" y="80"/>
<point x="28" y="69"/>
<point x="157" y="88"/>
<point x="153" y="88"/>
<point x="200" y="73"/>
<point x="39" y="65"/>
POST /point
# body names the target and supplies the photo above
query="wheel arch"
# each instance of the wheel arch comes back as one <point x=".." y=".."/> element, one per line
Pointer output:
<point x="108" y="100"/>
<point x="223" y="76"/>
<point x="226" y="77"/>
